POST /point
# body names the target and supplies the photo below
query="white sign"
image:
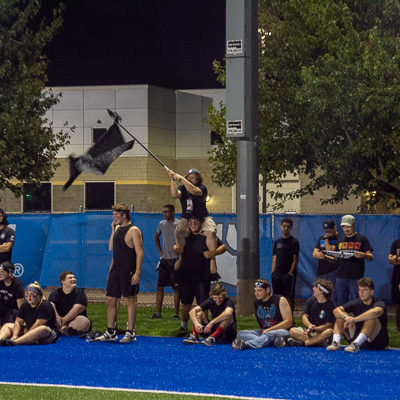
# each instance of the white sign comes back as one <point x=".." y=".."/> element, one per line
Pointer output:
<point x="234" y="127"/>
<point x="234" y="47"/>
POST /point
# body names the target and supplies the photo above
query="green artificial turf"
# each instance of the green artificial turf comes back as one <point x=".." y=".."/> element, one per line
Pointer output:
<point x="167" y="326"/>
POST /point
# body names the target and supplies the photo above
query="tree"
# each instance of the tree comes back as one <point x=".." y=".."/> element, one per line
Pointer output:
<point x="329" y="91"/>
<point x="28" y="145"/>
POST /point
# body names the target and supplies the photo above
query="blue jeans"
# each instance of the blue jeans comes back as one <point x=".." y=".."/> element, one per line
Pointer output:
<point x="346" y="289"/>
<point x="331" y="276"/>
<point x="255" y="339"/>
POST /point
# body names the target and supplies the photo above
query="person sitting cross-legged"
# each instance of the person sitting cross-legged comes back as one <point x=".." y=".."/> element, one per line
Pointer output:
<point x="70" y="305"/>
<point x="317" y="317"/>
<point x="367" y="328"/>
<point x="222" y="327"/>
<point x="274" y="317"/>
<point x="35" y="322"/>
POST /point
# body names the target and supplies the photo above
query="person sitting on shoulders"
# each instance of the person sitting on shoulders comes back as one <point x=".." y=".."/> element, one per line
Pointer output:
<point x="70" y="305"/>
<point x="222" y="327"/>
<point x="35" y="322"/>
<point x="317" y="317"/>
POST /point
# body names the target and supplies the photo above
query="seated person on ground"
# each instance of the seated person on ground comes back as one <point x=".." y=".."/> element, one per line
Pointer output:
<point x="222" y="327"/>
<point x="35" y="322"/>
<point x="363" y="321"/>
<point x="11" y="293"/>
<point x="274" y="316"/>
<point x="70" y="305"/>
<point x="317" y="317"/>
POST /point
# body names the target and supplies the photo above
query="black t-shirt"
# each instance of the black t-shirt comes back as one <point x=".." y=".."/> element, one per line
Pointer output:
<point x="319" y="313"/>
<point x="324" y="267"/>
<point x="195" y="266"/>
<point x="64" y="302"/>
<point x="10" y="294"/>
<point x="268" y="313"/>
<point x="284" y="250"/>
<point x="357" y="307"/>
<point x="43" y="311"/>
<point x="215" y="309"/>
<point x="352" y="268"/>
<point x="193" y="206"/>
<point x="395" y="250"/>
<point x="7" y="235"/>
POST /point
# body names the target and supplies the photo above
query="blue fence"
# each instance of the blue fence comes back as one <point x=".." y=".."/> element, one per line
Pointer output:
<point x="48" y="244"/>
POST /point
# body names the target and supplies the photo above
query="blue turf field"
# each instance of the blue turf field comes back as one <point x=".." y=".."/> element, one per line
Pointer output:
<point x="166" y="364"/>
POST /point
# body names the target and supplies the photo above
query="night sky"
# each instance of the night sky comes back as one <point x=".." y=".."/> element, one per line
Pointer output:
<point x="168" y="43"/>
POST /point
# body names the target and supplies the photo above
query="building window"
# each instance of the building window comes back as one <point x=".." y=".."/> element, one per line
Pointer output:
<point x="37" y="198"/>
<point x="97" y="133"/>
<point x="215" y="138"/>
<point x="99" y="195"/>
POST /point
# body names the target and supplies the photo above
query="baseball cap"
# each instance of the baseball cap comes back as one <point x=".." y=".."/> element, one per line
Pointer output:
<point x="193" y="171"/>
<point x="328" y="225"/>
<point x="348" y="220"/>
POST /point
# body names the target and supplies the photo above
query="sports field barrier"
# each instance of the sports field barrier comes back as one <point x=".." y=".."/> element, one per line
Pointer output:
<point x="47" y="244"/>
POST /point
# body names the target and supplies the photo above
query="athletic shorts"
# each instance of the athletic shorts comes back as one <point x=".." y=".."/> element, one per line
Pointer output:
<point x="208" y="226"/>
<point x="188" y="290"/>
<point x="119" y="284"/>
<point x="395" y="293"/>
<point x="379" y="343"/>
<point x="8" y="315"/>
<point x="166" y="273"/>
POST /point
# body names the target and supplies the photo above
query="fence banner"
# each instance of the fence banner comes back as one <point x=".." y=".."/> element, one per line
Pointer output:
<point x="48" y="244"/>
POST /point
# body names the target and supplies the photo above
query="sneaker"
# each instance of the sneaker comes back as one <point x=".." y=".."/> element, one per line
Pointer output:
<point x="176" y="317"/>
<point x="279" y="342"/>
<point x="239" y="344"/>
<point x="155" y="315"/>
<point x="192" y="339"/>
<point x="210" y="341"/>
<point x="128" y="337"/>
<point x="107" y="337"/>
<point x="333" y="346"/>
<point x="352" y="348"/>
<point x="7" y="342"/>
<point x="294" y="343"/>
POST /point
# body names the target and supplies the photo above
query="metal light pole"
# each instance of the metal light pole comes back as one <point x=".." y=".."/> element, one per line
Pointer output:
<point x="242" y="123"/>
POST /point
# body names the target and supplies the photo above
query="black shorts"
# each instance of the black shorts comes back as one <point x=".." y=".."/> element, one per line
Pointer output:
<point x="7" y="315"/>
<point x="379" y="343"/>
<point x="188" y="290"/>
<point x="119" y="283"/>
<point x="395" y="293"/>
<point x="166" y="273"/>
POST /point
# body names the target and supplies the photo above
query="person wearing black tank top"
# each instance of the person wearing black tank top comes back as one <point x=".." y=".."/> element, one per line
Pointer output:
<point x="126" y="243"/>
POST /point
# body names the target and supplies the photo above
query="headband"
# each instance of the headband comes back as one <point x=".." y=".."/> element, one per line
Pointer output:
<point x="261" y="284"/>
<point x="323" y="288"/>
<point x="34" y="289"/>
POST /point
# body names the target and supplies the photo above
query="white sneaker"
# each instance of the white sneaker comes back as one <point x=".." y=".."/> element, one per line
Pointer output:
<point x="334" y="346"/>
<point x="107" y="337"/>
<point x="128" y="337"/>
<point x="352" y="348"/>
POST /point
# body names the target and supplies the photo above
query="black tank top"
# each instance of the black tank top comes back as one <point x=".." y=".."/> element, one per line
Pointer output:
<point x="124" y="257"/>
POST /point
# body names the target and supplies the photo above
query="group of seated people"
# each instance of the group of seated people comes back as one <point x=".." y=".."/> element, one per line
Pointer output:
<point x="38" y="320"/>
<point x="362" y="322"/>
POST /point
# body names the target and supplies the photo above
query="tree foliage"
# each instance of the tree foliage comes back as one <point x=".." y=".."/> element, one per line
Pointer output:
<point x="329" y="91"/>
<point x="28" y="145"/>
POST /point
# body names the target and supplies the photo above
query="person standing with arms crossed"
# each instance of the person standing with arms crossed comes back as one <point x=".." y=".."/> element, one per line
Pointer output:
<point x="166" y="272"/>
<point x="126" y="243"/>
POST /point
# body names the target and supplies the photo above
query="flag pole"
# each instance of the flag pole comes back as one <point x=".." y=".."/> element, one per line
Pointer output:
<point x="117" y="119"/>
